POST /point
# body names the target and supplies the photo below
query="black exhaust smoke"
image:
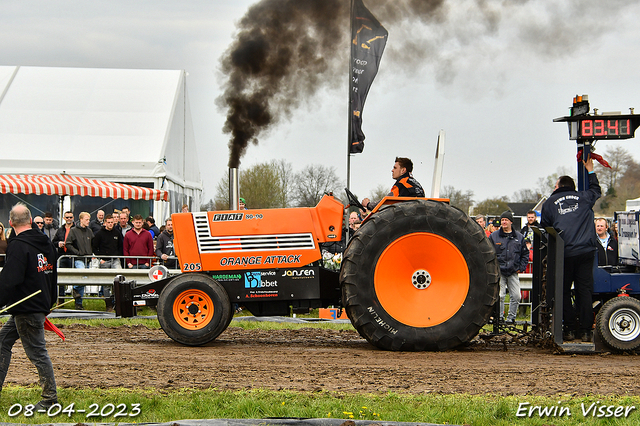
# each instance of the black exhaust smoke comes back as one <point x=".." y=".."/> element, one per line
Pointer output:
<point x="286" y="50"/>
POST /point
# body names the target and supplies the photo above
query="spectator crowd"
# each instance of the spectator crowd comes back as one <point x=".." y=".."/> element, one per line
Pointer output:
<point x="109" y="241"/>
<point x="515" y="255"/>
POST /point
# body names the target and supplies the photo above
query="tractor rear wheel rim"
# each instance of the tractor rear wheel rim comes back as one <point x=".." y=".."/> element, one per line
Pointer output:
<point x="421" y="279"/>
<point x="193" y="309"/>
<point x="624" y="324"/>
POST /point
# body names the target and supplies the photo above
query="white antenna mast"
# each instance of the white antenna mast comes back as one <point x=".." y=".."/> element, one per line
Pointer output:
<point x="439" y="164"/>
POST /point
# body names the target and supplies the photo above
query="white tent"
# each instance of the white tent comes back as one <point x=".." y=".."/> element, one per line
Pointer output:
<point x="128" y="126"/>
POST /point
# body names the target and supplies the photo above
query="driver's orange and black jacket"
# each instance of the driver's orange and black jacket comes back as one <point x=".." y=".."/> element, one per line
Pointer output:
<point x="405" y="186"/>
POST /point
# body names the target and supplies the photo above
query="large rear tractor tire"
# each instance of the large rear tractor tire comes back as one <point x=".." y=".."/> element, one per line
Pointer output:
<point x="419" y="275"/>
<point x="194" y="309"/>
<point x="618" y="322"/>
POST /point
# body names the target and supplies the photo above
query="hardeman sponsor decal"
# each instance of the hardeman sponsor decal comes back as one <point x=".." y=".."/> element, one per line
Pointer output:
<point x="226" y="277"/>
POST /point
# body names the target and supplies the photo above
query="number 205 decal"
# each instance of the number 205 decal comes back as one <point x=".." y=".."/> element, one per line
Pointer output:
<point x="192" y="267"/>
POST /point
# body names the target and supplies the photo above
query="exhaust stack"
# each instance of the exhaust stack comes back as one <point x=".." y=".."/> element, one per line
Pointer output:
<point x="234" y="189"/>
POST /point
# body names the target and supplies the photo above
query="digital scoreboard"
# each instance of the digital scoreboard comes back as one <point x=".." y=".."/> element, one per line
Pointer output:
<point x="608" y="127"/>
<point x="583" y="126"/>
<point x="586" y="127"/>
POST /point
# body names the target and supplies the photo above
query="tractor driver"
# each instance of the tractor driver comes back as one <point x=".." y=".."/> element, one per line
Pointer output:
<point x="405" y="186"/>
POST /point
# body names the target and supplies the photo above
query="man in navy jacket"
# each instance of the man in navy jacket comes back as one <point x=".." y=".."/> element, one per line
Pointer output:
<point x="571" y="213"/>
<point x="513" y="256"/>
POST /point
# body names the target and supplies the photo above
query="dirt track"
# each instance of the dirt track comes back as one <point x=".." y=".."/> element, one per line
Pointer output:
<point x="314" y="359"/>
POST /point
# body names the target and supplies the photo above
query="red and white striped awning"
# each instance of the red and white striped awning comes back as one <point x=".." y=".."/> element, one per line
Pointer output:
<point x="74" y="185"/>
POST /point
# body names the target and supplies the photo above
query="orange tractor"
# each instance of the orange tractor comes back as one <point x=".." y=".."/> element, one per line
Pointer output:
<point x="419" y="274"/>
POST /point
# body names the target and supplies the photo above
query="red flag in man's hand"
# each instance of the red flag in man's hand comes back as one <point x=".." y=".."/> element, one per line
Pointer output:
<point x="49" y="326"/>
<point x="596" y="157"/>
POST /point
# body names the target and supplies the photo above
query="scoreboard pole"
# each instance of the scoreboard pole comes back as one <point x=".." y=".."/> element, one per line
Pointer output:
<point x="583" y="175"/>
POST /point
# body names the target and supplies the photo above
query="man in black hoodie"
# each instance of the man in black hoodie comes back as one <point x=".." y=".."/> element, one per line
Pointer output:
<point x="164" y="246"/>
<point x="527" y="229"/>
<point x="108" y="242"/>
<point x="30" y="266"/>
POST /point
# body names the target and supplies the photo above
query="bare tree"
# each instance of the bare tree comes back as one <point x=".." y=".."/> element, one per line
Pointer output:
<point x="379" y="192"/>
<point x="626" y="188"/>
<point x="286" y="177"/>
<point x="208" y="206"/>
<point x="618" y="159"/>
<point x="547" y="184"/>
<point x="261" y="186"/>
<point x="527" y="196"/>
<point x="313" y="182"/>
<point x="221" y="199"/>
<point x="458" y="198"/>
<point x="491" y="206"/>
<point x="264" y="185"/>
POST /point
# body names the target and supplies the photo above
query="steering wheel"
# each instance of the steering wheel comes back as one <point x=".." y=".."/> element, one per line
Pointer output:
<point x="353" y="201"/>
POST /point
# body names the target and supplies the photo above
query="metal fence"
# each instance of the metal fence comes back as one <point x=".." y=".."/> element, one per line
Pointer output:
<point x="92" y="276"/>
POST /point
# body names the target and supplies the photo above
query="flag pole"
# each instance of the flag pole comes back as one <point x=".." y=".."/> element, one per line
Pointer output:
<point x="349" y="112"/>
<point x="345" y="219"/>
<point x="20" y="301"/>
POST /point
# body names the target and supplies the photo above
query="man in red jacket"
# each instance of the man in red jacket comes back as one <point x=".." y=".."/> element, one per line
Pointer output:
<point x="138" y="242"/>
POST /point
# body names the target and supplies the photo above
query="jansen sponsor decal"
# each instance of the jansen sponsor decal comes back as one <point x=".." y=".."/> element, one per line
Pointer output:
<point x="298" y="274"/>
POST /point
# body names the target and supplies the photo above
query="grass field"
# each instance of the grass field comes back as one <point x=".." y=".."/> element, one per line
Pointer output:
<point x="158" y="405"/>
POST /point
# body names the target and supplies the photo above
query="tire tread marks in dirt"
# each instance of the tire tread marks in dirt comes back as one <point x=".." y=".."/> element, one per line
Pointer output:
<point x="222" y="312"/>
<point x="390" y="224"/>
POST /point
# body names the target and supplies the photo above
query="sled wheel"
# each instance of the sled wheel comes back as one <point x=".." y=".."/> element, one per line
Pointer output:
<point x="193" y="309"/>
<point x="419" y="275"/>
<point x="618" y="322"/>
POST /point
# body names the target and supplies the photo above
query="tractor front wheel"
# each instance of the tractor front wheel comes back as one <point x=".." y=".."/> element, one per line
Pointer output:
<point x="193" y="309"/>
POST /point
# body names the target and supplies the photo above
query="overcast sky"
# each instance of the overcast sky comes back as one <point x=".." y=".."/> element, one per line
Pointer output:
<point x="492" y="77"/>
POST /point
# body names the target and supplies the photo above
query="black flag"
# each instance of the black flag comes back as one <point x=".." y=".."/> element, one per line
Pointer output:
<point x="368" y="39"/>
